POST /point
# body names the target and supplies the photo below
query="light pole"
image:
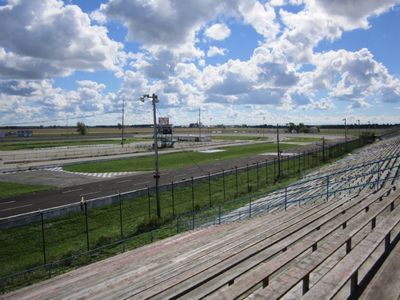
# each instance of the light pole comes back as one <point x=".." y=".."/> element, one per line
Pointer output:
<point x="154" y="100"/>
<point x="359" y="132"/>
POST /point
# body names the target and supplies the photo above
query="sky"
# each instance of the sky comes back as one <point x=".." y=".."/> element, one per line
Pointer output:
<point x="234" y="61"/>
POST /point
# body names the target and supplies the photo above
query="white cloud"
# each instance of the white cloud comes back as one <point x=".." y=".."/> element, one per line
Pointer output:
<point x="218" y="32"/>
<point x="39" y="101"/>
<point x="213" y="51"/>
<point x="41" y="39"/>
<point x="352" y="13"/>
<point x="261" y="17"/>
<point x="165" y="22"/>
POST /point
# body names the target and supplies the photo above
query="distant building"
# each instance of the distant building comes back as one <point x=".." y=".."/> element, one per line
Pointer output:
<point x="313" y="129"/>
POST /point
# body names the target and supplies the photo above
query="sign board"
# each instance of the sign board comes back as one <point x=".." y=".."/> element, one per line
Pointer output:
<point x="163" y="121"/>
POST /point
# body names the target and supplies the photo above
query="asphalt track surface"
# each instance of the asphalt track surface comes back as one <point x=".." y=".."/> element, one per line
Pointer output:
<point x="72" y="194"/>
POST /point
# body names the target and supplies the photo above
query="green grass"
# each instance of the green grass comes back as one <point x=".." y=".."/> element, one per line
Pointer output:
<point x="9" y="189"/>
<point x="303" y="140"/>
<point x="238" y="138"/>
<point x="8" y="146"/>
<point x="174" y="160"/>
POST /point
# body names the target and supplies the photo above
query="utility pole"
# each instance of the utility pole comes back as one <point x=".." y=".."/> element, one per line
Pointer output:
<point x="278" y="150"/>
<point x="123" y="119"/>
<point x="154" y="100"/>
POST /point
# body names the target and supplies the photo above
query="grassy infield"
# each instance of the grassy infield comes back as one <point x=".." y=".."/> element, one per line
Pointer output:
<point x="65" y="237"/>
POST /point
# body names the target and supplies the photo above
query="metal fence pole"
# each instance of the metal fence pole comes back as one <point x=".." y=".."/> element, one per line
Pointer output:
<point x="120" y="215"/>
<point x="219" y="214"/>
<point x="87" y="225"/>
<point x="248" y="179"/>
<point x="237" y="185"/>
<point x="250" y="208"/>
<point x="193" y="202"/>
<point x="148" y="201"/>
<point x="266" y="172"/>
<point x="223" y="184"/>
<point x="379" y="176"/>
<point x="258" y="176"/>
<point x="43" y="239"/>
<point x="209" y="187"/>
<point x="173" y="198"/>
<point x="285" y="198"/>
<point x="327" y="188"/>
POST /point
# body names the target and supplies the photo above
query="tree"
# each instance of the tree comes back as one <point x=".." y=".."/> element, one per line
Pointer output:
<point x="81" y="128"/>
<point x="119" y="126"/>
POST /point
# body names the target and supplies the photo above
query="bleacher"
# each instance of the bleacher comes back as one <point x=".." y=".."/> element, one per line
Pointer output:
<point x="336" y="247"/>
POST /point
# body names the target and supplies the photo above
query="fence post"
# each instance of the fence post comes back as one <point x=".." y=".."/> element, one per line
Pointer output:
<point x="219" y="214"/>
<point x="285" y="198"/>
<point x="148" y="201"/>
<point x="87" y="224"/>
<point x="223" y="184"/>
<point x="120" y="218"/>
<point x="43" y="239"/>
<point x="379" y="176"/>
<point x="327" y="188"/>
<point x="250" y="207"/>
<point x="248" y="180"/>
<point x="266" y="172"/>
<point x="173" y="198"/>
<point x="237" y="186"/>
<point x="258" y="176"/>
<point x="209" y="187"/>
<point x="192" y="203"/>
<point x="299" y="162"/>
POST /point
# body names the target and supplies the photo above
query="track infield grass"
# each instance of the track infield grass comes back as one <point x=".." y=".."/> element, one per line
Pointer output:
<point x="175" y="160"/>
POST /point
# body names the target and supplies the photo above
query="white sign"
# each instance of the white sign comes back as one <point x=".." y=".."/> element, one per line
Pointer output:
<point x="163" y="121"/>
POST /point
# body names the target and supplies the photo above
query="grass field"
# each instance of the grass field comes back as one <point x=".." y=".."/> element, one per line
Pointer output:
<point x="9" y="189"/>
<point x="174" y="160"/>
<point x="7" y="146"/>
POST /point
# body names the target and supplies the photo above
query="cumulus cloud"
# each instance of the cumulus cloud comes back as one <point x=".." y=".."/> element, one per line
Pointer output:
<point x="353" y="13"/>
<point x="164" y="22"/>
<point x="213" y="51"/>
<point x="354" y="76"/>
<point x="261" y="16"/>
<point x="39" y="101"/>
<point x="45" y="38"/>
<point x="218" y="32"/>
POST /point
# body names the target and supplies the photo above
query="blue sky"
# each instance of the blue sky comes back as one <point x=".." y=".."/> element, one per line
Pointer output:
<point x="239" y="61"/>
